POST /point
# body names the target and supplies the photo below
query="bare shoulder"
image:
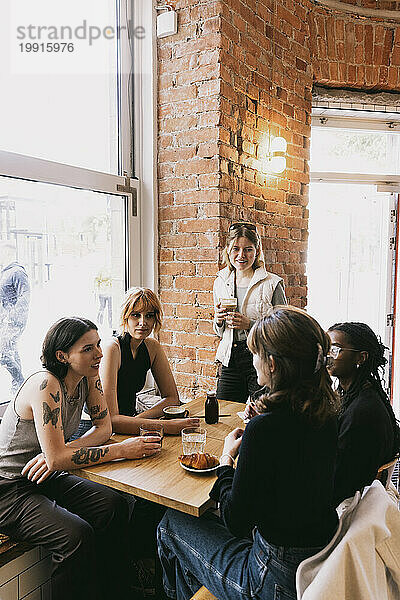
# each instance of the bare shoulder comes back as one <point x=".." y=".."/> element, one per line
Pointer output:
<point x="112" y="350"/>
<point x="38" y="387"/>
<point x="154" y="348"/>
<point x="42" y="381"/>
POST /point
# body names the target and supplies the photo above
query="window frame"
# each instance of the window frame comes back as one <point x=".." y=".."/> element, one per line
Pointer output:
<point x="136" y="115"/>
<point x="385" y="183"/>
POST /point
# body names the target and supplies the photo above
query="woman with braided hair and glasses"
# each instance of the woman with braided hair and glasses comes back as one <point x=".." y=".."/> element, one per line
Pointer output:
<point x="244" y="283"/>
<point x="369" y="434"/>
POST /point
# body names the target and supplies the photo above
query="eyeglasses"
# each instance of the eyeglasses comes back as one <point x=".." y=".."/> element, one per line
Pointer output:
<point x="336" y="350"/>
<point x="243" y="224"/>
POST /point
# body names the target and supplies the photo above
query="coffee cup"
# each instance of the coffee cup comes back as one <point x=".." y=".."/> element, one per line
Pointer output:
<point x="175" y="412"/>
<point x="228" y="304"/>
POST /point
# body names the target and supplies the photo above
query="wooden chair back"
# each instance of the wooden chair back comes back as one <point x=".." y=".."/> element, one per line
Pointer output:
<point x="385" y="472"/>
<point x="203" y="594"/>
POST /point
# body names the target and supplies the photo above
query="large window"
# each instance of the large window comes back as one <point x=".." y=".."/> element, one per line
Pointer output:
<point x="74" y="260"/>
<point x="62" y="80"/>
<point x="349" y="254"/>
<point x="351" y="266"/>
<point x="345" y="150"/>
<point x="71" y="213"/>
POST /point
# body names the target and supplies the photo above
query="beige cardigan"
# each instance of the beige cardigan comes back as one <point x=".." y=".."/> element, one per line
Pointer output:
<point x="362" y="561"/>
<point x="255" y="303"/>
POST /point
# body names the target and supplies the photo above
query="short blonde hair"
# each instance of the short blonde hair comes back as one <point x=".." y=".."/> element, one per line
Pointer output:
<point x="141" y="299"/>
<point x="242" y="230"/>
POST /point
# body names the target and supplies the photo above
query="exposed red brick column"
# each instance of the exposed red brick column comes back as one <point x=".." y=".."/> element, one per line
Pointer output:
<point x="266" y="90"/>
<point x="189" y="168"/>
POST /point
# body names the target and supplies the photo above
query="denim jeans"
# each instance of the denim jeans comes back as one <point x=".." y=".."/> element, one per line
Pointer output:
<point x="196" y="552"/>
<point x="238" y="380"/>
<point x="9" y="355"/>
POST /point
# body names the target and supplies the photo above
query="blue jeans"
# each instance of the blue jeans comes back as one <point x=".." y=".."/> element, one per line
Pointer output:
<point x="196" y="552"/>
<point x="9" y="356"/>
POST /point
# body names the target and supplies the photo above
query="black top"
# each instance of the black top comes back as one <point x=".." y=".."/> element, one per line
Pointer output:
<point x="131" y="374"/>
<point x="366" y="442"/>
<point x="283" y="481"/>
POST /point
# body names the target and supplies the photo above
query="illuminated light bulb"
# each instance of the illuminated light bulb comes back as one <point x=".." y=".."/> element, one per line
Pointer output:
<point x="278" y="164"/>
<point x="278" y="144"/>
<point x="272" y="157"/>
<point x="266" y="166"/>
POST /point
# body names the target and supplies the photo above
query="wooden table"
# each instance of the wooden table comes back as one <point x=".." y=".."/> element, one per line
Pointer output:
<point x="161" y="478"/>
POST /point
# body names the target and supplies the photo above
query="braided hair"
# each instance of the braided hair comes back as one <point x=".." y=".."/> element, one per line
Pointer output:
<point x="370" y="372"/>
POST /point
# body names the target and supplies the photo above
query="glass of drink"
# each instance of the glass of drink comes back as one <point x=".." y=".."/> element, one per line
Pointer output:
<point x="193" y="440"/>
<point x="228" y="304"/>
<point x="154" y="430"/>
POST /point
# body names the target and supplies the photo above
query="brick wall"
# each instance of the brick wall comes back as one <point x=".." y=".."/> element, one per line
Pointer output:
<point x="352" y="52"/>
<point x="236" y="71"/>
<point x="189" y="179"/>
<point x="375" y="4"/>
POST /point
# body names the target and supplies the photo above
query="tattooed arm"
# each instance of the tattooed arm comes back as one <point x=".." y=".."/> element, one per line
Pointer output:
<point x="101" y="431"/>
<point x="45" y="401"/>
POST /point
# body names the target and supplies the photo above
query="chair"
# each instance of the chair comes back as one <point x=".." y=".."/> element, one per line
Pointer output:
<point x="203" y="594"/>
<point x="385" y="472"/>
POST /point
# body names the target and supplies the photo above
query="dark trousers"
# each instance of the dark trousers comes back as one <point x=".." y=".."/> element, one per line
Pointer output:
<point x="238" y="380"/>
<point x="85" y="527"/>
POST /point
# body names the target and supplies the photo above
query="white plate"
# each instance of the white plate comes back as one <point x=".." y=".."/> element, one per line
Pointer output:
<point x="191" y="470"/>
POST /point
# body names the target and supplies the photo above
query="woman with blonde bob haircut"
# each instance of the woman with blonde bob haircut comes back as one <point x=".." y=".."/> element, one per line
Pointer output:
<point x="253" y="550"/>
<point x="146" y="299"/>
<point x="244" y="283"/>
<point x="127" y="361"/>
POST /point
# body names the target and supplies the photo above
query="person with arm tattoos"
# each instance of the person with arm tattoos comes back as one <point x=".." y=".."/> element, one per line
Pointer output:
<point x="84" y="525"/>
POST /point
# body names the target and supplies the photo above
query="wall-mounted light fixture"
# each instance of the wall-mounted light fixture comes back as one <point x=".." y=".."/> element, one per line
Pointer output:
<point x="167" y="21"/>
<point x="272" y="155"/>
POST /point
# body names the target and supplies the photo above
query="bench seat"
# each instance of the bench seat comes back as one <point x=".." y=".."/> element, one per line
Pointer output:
<point x="10" y="549"/>
<point x="203" y="594"/>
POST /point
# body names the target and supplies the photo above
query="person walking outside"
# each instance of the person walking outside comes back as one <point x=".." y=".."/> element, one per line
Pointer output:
<point x="14" y="305"/>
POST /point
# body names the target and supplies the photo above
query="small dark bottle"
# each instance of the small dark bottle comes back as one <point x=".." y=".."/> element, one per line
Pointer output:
<point x="211" y="410"/>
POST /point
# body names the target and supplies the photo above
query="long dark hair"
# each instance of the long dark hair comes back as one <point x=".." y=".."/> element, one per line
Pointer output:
<point x="370" y="373"/>
<point x="61" y="336"/>
<point x="299" y="346"/>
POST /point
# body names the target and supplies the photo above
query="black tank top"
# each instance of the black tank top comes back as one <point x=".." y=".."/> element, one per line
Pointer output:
<point x="131" y="375"/>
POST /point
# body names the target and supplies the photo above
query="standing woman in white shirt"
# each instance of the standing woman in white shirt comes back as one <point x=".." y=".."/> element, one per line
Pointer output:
<point x="256" y="290"/>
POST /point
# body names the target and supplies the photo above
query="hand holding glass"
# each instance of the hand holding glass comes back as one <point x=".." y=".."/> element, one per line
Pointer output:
<point x="153" y="430"/>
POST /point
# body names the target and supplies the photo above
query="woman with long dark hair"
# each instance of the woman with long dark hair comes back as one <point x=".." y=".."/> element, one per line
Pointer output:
<point x="82" y="524"/>
<point x="368" y="432"/>
<point x="265" y="530"/>
<point x="253" y="290"/>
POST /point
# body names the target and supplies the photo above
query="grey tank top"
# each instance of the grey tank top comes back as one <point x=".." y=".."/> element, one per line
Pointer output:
<point x="18" y="438"/>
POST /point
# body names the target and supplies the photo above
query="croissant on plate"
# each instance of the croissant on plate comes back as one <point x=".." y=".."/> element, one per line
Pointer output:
<point x="199" y="460"/>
